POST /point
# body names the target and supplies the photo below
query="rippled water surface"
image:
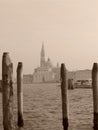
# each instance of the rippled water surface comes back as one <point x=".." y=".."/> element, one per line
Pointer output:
<point x="43" y="111"/>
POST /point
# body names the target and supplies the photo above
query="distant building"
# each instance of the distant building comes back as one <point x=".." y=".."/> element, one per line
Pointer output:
<point x="81" y="78"/>
<point x="46" y="72"/>
<point x="80" y="75"/>
<point x="28" y="79"/>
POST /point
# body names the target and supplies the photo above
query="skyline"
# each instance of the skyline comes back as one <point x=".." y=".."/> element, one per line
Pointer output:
<point x="68" y="28"/>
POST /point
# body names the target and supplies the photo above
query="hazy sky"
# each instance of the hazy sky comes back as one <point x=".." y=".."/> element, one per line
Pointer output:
<point x="69" y="29"/>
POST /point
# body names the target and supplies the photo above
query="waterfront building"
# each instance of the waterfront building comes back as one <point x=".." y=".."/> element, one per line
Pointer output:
<point x="46" y="72"/>
<point x="28" y="79"/>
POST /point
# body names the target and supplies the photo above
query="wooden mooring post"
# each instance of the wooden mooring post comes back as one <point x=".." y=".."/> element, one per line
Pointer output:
<point x="95" y="94"/>
<point x="64" y="89"/>
<point x="7" y="92"/>
<point x="20" y="94"/>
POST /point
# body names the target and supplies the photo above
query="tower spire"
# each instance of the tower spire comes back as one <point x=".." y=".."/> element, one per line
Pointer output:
<point x="42" y="61"/>
<point x="42" y="50"/>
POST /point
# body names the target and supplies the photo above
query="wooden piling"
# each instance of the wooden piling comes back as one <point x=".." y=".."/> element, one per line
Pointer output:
<point x="20" y="95"/>
<point x="64" y="89"/>
<point x="7" y="92"/>
<point x="95" y="94"/>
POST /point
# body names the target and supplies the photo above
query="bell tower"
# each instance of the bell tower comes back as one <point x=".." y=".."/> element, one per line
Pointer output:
<point x="42" y="59"/>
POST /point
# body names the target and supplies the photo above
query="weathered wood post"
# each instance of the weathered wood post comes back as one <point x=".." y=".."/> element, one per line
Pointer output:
<point x="95" y="94"/>
<point x="7" y="92"/>
<point x="20" y="94"/>
<point x="64" y="89"/>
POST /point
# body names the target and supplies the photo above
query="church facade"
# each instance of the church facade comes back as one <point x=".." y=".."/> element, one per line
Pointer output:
<point x="46" y="72"/>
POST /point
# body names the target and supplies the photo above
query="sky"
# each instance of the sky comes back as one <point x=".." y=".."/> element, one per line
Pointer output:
<point x="69" y="29"/>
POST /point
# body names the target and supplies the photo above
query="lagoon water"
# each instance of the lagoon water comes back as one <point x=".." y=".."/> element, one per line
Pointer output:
<point x="43" y="108"/>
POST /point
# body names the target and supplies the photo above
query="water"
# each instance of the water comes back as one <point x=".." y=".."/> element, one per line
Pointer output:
<point x="43" y="111"/>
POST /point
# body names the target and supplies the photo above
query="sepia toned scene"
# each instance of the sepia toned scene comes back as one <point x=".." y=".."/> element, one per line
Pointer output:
<point x="49" y="65"/>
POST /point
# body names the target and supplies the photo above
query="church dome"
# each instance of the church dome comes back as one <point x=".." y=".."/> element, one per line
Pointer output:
<point x="48" y="63"/>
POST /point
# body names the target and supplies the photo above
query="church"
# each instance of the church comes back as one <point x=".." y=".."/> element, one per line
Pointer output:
<point x="46" y="72"/>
